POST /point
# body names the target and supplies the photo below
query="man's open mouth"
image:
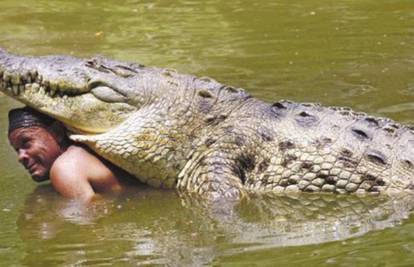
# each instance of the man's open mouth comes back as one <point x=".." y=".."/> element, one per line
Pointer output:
<point x="31" y="168"/>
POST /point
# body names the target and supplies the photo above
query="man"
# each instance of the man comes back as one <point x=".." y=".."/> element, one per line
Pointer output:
<point x="45" y="151"/>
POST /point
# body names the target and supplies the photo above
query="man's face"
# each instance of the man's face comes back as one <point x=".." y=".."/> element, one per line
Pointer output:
<point x="37" y="149"/>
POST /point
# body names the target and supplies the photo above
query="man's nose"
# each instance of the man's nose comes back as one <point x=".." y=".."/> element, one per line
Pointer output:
<point x="22" y="156"/>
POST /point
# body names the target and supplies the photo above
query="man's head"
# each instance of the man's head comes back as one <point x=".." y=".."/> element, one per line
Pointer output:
<point x="37" y="139"/>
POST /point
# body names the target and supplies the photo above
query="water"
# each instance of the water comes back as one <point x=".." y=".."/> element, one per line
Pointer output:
<point x="345" y="53"/>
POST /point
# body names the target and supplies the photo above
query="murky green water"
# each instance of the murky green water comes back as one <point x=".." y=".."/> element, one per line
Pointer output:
<point x="357" y="53"/>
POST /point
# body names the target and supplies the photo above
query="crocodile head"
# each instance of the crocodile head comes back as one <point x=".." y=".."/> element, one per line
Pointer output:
<point x="89" y="96"/>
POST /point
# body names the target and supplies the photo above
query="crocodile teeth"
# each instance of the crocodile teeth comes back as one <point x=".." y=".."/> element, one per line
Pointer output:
<point x="33" y="74"/>
<point x="15" y="89"/>
<point x="25" y="77"/>
<point x="16" y="80"/>
<point x="52" y="92"/>
<point x="6" y="76"/>
<point x="35" y="86"/>
<point x="45" y="83"/>
<point x="53" y="86"/>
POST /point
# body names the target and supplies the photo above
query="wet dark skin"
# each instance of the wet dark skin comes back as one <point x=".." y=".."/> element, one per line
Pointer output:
<point x="73" y="171"/>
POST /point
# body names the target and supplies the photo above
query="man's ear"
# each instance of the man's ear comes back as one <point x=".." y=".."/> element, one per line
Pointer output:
<point x="58" y="131"/>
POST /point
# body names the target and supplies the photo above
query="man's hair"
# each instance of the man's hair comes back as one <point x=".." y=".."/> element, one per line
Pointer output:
<point x="28" y="117"/>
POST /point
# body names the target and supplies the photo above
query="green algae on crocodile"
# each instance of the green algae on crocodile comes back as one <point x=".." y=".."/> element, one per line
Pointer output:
<point x="178" y="131"/>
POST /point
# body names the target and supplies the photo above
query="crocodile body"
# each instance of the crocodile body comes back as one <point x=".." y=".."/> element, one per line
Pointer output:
<point x="178" y="131"/>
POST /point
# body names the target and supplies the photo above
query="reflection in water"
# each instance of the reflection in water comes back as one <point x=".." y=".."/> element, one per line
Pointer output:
<point x="158" y="227"/>
<point x="309" y="219"/>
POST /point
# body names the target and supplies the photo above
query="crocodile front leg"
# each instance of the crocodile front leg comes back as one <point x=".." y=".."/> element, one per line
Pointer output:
<point x="144" y="146"/>
<point x="213" y="173"/>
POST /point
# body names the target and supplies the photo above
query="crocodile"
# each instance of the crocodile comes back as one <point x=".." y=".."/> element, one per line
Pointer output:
<point x="174" y="130"/>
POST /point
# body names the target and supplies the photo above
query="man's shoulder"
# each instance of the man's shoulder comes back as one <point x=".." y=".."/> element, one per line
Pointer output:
<point x="76" y="159"/>
<point x="70" y="172"/>
<point x="67" y="165"/>
<point x="74" y="153"/>
<point x="82" y="161"/>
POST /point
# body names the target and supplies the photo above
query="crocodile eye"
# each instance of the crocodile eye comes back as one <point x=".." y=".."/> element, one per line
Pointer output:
<point x="96" y="83"/>
<point x="107" y="94"/>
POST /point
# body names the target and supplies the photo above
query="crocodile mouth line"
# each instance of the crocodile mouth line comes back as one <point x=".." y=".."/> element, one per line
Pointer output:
<point x="15" y="84"/>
